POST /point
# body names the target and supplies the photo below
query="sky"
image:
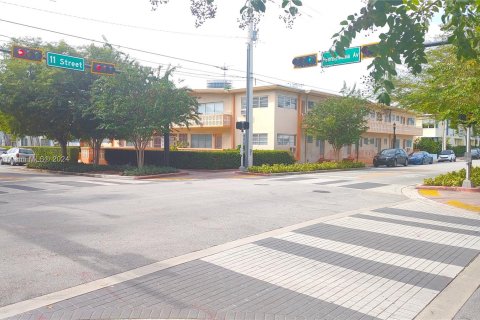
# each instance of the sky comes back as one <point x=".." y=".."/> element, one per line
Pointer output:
<point x="215" y="50"/>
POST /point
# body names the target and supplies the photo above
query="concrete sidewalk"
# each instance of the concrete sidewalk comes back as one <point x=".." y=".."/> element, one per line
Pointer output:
<point x="376" y="263"/>
<point x="464" y="200"/>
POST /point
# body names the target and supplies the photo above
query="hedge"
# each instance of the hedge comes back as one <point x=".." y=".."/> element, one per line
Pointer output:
<point x="454" y="178"/>
<point x="73" y="167"/>
<point x="305" y="167"/>
<point x="225" y="159"/>
<point x="54" y="154"/>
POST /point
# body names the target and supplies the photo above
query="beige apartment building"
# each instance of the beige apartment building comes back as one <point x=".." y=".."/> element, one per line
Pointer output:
<point x="278" y="113"/>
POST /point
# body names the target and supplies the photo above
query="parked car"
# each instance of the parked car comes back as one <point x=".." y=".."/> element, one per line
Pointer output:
<point x="2" y="150"/>
<point x="447" y="155"/>
<point x="17" y="156"/>
<point x="475" y="153"/>
<point x="420" y="157"/>
<point x="391" y="157"/>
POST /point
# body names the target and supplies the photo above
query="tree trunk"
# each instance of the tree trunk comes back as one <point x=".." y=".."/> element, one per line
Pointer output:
<point x="63" y="146"/>
<point x="337" y="153"/>
<point x="140" y="150"/>
<point x="96" y="145"/>
<point x="166" y="149"/>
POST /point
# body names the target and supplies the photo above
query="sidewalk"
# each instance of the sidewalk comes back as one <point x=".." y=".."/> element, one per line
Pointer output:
<point x="464" y="200"/>
<point x="375" y="263"/>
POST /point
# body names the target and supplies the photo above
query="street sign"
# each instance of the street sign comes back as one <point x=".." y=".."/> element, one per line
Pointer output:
<point x="352" y="55"/>
<point x="65" y="62"/>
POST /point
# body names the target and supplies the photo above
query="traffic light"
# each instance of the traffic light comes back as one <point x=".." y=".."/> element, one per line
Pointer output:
<point x="102" y="68"/>
<point x="19" y="52"/>
<point x="306" y="61"/>
<point x="369" y="50"/>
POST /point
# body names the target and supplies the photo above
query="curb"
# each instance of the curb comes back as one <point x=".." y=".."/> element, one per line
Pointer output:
<point x="111" y="176"/>
<point x="298" y="172"/>
<point x="459" y="189"/>
<point x="161" y="175"/>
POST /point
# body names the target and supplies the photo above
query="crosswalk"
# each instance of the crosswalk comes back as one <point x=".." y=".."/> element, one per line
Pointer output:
<point x="24" y="186"/>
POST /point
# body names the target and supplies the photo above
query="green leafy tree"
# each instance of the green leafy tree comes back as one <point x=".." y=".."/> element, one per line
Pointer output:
<point x="404" y="24"/>
<point x="446" y="90"/>
<point x="40" y="100"/>
<point x="177" y="106"/>
<point x="339" y="120"/>
<point x="428" y="144"/>
<point x="252" y="10"/>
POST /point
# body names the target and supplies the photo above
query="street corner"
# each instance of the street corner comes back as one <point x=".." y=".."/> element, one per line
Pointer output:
<point x="467" y="199"/>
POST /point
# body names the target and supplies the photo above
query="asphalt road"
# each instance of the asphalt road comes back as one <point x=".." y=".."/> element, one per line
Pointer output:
<point x="58" y="231"/>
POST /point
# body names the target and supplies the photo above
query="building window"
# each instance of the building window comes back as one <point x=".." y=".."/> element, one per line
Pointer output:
<point x="379" y="116"/>
<point x="385" y="142"/>
<point x="157" y="142"/>
<point x="203" y="141"/>
<point x="428" y="123"/>
<point x="372" y="114"/>
<point x="365" y="141"/>
<point x="321" y="147"/>
<point x="287" y="102"/>
<point x="258" y="102"/>
<point x="309" y="139"/>
<point x="411" y="121"/>
<point x="210" y="108"/>
<point x="286" y="140"/>
<point x="408" y="143"/>
<point x="260" y="139"/>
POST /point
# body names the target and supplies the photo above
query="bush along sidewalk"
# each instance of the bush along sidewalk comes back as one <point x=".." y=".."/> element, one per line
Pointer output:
<point x="305" y="167"/>
<point x="454" y="178"/>
<point x="91" y="168"/>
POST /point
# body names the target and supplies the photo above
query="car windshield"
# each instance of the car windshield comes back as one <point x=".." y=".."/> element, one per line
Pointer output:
<point x="26" y="151"/>
<point x="388" y="152"/>
<point x="445" y="152"/>
<point x="417" y="154"/>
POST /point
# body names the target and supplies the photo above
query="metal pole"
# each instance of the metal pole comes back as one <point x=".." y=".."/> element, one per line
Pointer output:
<point x="249" y="111"/>
<point x="242" y="152"/>
<point x="468" y="157"/>
<point x="394" y="136"/>
<point x="444" y="140"/>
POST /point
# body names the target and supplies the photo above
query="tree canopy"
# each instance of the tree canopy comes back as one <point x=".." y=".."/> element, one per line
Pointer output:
<point x="447" y="89"/>
<point x="403" y="25"/>
<point x="339" y="120"/>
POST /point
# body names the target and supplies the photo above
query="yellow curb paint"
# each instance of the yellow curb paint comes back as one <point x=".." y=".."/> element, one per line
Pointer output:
<point x="463" y="205"/>
<point x="429" y="193"/>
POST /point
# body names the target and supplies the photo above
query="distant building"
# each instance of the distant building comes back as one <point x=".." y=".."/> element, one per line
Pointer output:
<point x="440" y="131"/>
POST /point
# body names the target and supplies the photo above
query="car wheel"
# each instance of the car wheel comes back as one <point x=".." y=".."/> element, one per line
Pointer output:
<point x="12" y="163"/>
<point x="406" y="162"/>
<point x="455" y="160"/>
<point x="431" y="161"/>
<point x="394" y="163"/>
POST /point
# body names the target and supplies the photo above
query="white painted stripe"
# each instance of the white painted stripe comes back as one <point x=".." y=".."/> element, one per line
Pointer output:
<point x="427" y="221"/>
<point x="409" y="232"/>
<point x="399" y="260"/>
<point x="352" y="289"/>
<point x="98" y="183"/>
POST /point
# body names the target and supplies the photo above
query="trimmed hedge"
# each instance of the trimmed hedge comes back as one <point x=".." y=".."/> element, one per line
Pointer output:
<point x="148" y="170"/>
<point x="454" y="178"/>
<point x="305" y="167"/>
<point x="54" y="154"/>
<point x="225" y="159"/>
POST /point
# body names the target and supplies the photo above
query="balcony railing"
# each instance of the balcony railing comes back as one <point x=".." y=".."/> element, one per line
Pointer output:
<point x="387" y="127"/>
<point x="213" y="120"/>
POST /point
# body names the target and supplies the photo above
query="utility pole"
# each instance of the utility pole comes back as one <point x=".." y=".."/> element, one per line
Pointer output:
<point x="467" y="183"/>
<point x="249" y="110"/>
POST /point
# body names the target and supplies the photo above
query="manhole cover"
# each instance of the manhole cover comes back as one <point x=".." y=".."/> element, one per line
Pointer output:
<point x="321" y="191"/>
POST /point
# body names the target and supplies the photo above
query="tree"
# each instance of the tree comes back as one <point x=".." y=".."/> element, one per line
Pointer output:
<point x="447" y="89"/>
<point x="252" y="10"/>
<point x="339" y="120"/>
<point x="40" y="100"/>
<point x="177" y="107"/>
<point x="404" y="25"/>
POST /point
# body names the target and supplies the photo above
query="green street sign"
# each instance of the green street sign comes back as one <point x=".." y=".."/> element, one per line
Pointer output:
<point x="352" y="55"/>
<point x="65" y="62"/>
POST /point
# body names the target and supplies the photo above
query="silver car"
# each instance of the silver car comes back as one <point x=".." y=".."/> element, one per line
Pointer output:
<point x="17" y="156"/>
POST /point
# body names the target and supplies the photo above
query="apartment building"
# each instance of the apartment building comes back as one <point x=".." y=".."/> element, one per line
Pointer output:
<point x="441" y="131"/>
<point x="277" y="124"/>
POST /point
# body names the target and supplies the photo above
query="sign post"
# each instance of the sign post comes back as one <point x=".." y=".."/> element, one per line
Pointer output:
<point x="65" y="62"/>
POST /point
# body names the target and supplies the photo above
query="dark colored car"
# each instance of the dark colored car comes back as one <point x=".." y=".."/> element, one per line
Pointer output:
<point x="390" y="158"/>
<point x="420" y="157"/>
<point x="475" y="153"/>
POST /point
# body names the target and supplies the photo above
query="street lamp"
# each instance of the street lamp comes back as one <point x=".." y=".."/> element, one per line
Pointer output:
<point x="394" y="136"/>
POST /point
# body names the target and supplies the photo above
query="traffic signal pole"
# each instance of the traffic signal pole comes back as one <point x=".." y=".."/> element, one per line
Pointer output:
<point x="249" y="109"/>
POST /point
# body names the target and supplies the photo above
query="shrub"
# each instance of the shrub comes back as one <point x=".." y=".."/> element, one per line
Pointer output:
<point x="454" y="178"/>
<point x="428" y="144"/>
<point x="224" y="159"/>
<point x="148" y="170"/>
<point x="54" y="154"/>
<point x="305" y="167"/>
<point x="459" y="150"/>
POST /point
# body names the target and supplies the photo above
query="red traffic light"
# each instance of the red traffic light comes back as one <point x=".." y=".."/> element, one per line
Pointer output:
<point x="25" y="53"/>
<point x="102" y="68"/>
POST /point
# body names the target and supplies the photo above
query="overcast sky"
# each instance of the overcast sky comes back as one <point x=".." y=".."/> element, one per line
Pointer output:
<point x="170" y="31"/>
